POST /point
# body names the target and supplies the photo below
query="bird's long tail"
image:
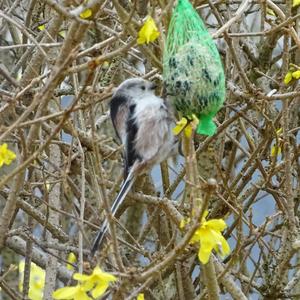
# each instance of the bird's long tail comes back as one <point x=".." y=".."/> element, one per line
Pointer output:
<point x="125" y="188"/>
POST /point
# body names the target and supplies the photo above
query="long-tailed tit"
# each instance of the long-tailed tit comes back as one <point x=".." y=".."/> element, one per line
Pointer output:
<point x="144" y="123"/>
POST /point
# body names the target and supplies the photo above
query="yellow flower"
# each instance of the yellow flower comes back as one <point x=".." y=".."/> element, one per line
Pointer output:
<point x="296" y="74"/>
<point x="296" y="3"/>
<point x="209" y="237"/>
<point x="6" y="156"/>
<point x="42" y="27"/>
<point x="62" y="33"/>
<point x="140" y="297"/>
<point x="180" y="125"/>
<point x="77" y="292"/>
<point x="96" y="283"/>
<point x="185" y="125"/>
<point x="98" y="278"/>
<point x="288" y="78"/>
<point x="184" y="222"/>
<point x="86" y="14"/>
<point x="276" y="149"/>
<point x="270" y="12"/>
<point x="148" y="33"/>
<point x="36" y="281"/>
<point x="71" y="260"/>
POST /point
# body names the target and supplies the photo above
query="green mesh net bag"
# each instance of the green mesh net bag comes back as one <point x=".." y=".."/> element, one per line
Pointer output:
<point x="193" y="72"/>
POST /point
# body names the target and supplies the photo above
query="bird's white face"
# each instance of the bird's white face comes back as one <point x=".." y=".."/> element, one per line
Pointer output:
<point x="136" y="88"/>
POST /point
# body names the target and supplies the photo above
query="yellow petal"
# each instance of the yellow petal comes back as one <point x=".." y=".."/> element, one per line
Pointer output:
<point x="182" y="223"/>
<point x="100" y="289"/>
<point x="196" y="237"/>
<point x="275" y="150"/>
<point x="36" y="281"/>
<point x="225" y="247"/>
<point x="72" y="292"/>
<point x="180" y="126"/>
<point x="87" y="285"/>
<point x="140" y="297"/>
<point x="214" y="240"/>
<point x="21" y="266"/>
<point x="296" y="3"/>
<point x="71" y="260"/>
<point x="6" y="155"/>
<point x="67" y="292"/>
<point x="103" y="275"/>
<point x="82" y="277"/>
<point x="288" y="78"/>
<point x="188" y="130"/>
<point x="141" y="40"/>
<point x="204" y="254"/>
<point x="209" y="238"/>
<point x="270" y="12"/>
<point x="296" y="74"/>
<point x="86" y="14"/>
<point x="148" y="33"/>
<point x="42" y="27"/>
<point x="35" y="294"/>
<point x="216" y="224"/>
<point x="62" y="33"/>
<point x="205" y="214"/>
<point x="279" y="131"/>
<point x="82" y="296"/>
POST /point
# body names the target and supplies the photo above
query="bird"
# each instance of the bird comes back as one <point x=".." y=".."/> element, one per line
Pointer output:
<point x="143" y="122"/>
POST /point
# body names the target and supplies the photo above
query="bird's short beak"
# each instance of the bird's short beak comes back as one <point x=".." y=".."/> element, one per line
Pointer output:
<point x="153" y="86"/>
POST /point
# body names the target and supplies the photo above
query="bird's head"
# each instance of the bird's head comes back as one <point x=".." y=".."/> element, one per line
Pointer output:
<point x="136" y="87"/>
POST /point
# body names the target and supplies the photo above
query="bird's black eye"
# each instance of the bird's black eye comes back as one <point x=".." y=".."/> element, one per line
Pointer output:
<point x="143" y="87"/>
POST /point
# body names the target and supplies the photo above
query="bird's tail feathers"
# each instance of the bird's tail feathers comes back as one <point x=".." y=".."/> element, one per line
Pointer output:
<point x="99" y="238"/>
<point x="125" y="188"/>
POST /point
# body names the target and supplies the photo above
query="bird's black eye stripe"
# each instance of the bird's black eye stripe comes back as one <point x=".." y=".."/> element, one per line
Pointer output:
<point x="143" y="87"/>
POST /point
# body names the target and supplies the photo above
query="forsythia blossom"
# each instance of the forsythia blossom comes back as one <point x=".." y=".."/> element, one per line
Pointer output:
<point x="71" y="260"/>
<point x="96" y="283"/>
<point x="99" y="278"/>
<point x="292" y="74"/>
<point x="86" y="14"/>
<point x="296" y="74"/>
<point x="148" y="32"/>
<point x="6" y="156"/>
<point x="296" y="3"/>
<point x="276" y="148"/>
<point x="186" y="125"/>
<point x="209" y="237"/>
<point x="140" y="297"/>
<point x="77" y="292"/>
<point x="288" y="77"/>
<point x="36" y="281"/>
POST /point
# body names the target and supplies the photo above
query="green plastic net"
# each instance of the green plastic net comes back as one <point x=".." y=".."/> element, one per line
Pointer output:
<point x="193" y="72"/>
